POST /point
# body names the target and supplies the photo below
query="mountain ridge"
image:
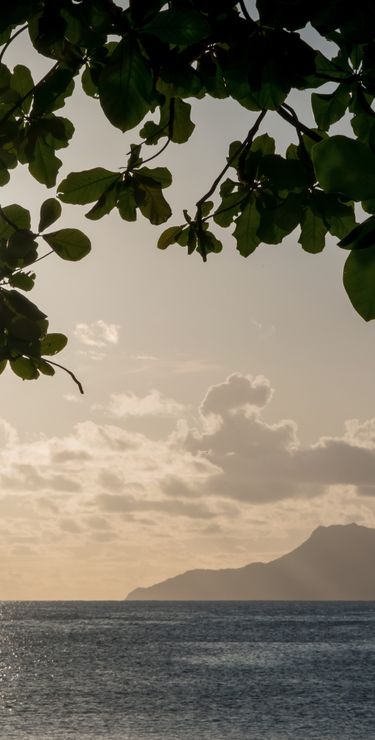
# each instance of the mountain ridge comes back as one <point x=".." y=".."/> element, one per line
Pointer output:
<point x="334" y="563"/>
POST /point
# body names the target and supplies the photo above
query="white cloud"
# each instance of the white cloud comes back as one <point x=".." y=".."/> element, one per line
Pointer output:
<point x="238" y="392"/>
<point x="153" y="404"/>
<point x="234" y="469"/>
<point x="97" y="334"/>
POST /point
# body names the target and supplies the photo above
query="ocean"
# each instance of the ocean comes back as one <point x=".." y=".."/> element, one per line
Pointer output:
<point x="187" y="670"/>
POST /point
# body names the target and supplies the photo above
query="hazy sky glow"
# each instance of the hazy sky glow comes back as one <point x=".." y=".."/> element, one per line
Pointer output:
<point x="181" y="454"/>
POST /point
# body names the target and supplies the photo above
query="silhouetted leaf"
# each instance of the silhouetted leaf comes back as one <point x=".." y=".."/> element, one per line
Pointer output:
<point x="125" y="86"/>
<point x="169" y="236"/>
<point x="345" y="166"/>
<point x="50" y="211"/>
<point x="69" y="244"/>
<point x="359" y="281"/>
<point x="247" y="224"/>
<point x="24" y="368"/>
<point x="86" y="186"/>
<point x="53" y="343"/>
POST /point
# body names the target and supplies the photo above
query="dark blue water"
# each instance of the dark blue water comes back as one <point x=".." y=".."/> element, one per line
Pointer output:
<point x="187" y="671"/>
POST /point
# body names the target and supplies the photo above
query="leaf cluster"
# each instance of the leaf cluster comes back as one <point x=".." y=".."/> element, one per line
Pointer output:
<point x="143" y="63"/>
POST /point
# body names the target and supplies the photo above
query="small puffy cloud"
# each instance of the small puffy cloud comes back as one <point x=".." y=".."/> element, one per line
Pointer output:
<point x="153" y="404"/>
<point x="98" y="334"/>
<point x="238" y="392"/>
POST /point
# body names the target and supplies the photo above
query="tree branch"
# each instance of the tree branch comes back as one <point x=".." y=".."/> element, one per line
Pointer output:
<point x="56" y="364"/>
<point x="289" y="115"/>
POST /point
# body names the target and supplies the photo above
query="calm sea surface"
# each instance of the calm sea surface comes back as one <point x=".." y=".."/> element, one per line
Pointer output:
<point x="187" y="671"/>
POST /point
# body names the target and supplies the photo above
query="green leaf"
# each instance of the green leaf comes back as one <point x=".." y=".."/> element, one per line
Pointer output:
<point x="3" y="364"/>
<point x="21" y="243"/>
<point x="160" y="175"/>
<point x="313" y="232"/>
<point x="125" y="86"/>
<point x="361" y="237"/>
<point x="359" y="281"/>
<point x="24" y="368"/>
<point x="247" y="224"/>
<point x="16" y="215"/>
<point x="127" y="204"/>
<point x="50" y="211"/>
<point x="22" y="82"/>
<point x="207" y="242"/>
<point x="86" y="186"/>
<point x="21" y="305"/>
<point x="169" y="236"/>
<point x="278" y="219"/>
<point x="229" y="207"/>
<point x="22" y="280"/>
<point x="328" y="109"/>
<point x="211" y="75"/>
<point x="150" y="200"/>
<point x="51" y="93"/>
<point x="179" y="80"/>
<point x="104" y="204"/>
<point x="45" y="367"/>
<point x="69" y="244"/>
<point x="52" y="343"/>
<point x="180" y="26"/>
<point x="345" y="166"/>
<point x="44" y="164"/>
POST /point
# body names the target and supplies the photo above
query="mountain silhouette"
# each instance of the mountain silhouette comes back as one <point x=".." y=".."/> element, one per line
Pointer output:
<point x="335" y="563"/>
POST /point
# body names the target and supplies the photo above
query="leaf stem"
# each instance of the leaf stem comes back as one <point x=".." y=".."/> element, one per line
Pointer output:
<point x="62" y="367"/>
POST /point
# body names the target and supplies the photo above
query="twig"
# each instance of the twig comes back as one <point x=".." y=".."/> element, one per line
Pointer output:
<point x="215" y="183"/>
<point x="56" y="364"/>
<point x="289" y="115"/>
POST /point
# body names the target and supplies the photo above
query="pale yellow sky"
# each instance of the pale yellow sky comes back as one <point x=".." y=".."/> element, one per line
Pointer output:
<point x="137" y="481"/>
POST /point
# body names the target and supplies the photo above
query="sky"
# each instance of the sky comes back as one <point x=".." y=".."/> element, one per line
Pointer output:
<point x="228" y="406"/>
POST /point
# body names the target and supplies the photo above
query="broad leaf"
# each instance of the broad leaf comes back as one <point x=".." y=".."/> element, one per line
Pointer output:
<point x="169" y="236"/>
<point x="15" y="217"/>
<point x="44" y="164"/>
<point x="359" y="281"/>
<point x="345" y="166"/>
<point x="86" y="186"/>
<point x="161" y="175"/>
<point x="22" y="280"/>
<point x="69" y="244"/>
<point x="328" y="109"/>
<point x="313" y="232"/>
<point x="24" y="368"/>
<point x="247" y="224"/>
<point x="50" y="211"/>
<point x="52" y="343"/>
<point x="125" y="86"/>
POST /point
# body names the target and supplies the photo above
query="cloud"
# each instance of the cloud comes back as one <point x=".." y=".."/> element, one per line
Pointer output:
<point x="258" y="462"/>
<point x="232" y="469"/>
<point x="237" y="393"/>
<point x="153" y="404"/>
<point x="98" y="334"/>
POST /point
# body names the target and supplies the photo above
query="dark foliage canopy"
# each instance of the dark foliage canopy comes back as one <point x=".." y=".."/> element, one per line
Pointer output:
<point x="142" y="63"/>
